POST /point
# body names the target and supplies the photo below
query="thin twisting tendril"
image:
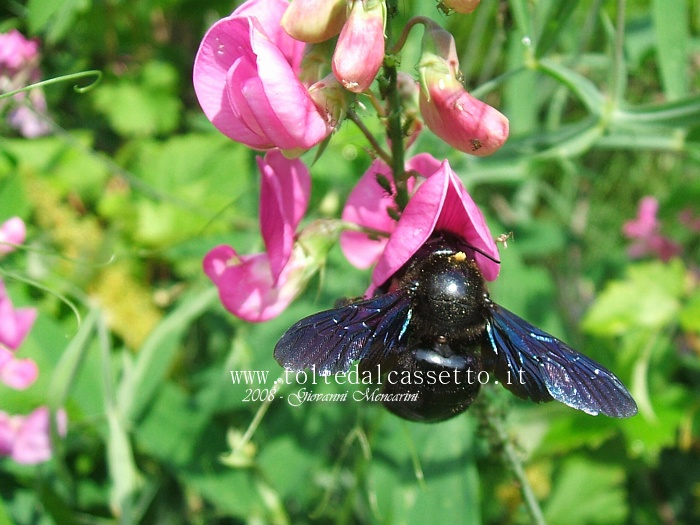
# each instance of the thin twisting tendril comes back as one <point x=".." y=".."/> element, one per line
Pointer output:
<point x="64" y="78"/>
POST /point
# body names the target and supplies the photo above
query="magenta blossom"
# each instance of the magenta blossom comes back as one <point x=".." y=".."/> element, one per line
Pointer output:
<point x="644" y="230"/>
<point x="464" y="122"/>
<point x="246" y="79"/>
<point x="27" y="439"/>
<point x="17" y="373"/>
<point x="259" y="287"/>
<point x="359" y="52"/>
<point x="19" y="67"/>
<point x="14" y="324"/>
<point x="12" y="233"/>
<point x="369" y="206"/>
<point x="17" y="52"/>
<point x="440" y="203"/>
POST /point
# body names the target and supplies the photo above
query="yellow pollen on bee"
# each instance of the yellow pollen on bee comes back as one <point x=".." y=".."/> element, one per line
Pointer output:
<point x="460" y="256"/>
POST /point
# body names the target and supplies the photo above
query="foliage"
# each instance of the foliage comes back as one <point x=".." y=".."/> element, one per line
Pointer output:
<point x="134" y="186"/>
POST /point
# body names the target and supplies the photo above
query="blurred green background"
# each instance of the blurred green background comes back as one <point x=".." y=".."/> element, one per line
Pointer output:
<point x="134" y="186"/>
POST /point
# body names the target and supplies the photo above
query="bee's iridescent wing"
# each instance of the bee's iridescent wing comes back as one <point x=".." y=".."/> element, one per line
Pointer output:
<point x="331" y="340"/>
<point x="550" y="369"/>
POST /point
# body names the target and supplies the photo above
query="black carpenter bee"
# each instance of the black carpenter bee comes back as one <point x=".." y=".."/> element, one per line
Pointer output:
<point x="432" y="333"/>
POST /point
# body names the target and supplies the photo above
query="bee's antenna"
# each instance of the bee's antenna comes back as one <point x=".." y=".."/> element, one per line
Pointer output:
<point x="489" y="257"/>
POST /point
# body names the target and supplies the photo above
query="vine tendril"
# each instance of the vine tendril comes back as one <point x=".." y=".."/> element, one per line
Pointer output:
<point x="74" y="76"/>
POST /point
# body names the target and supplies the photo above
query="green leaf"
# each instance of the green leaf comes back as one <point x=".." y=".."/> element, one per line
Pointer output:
<point x="145" y="106"/>
<point x="648" y="297"/>
<point x="555" y="22"/>
<point x="671" y="24"/>
<point x="586" y="493"/>
<point x="155" y="358"/>
<point x="54" y="17"/>
<point x="679" y="113"/>
<point x="690" y="314"/>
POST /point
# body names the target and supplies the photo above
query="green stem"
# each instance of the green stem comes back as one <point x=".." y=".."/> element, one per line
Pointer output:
<point x="368" y="134"/>
<point x="491" y="420"/>
<point x="394" y="128"/>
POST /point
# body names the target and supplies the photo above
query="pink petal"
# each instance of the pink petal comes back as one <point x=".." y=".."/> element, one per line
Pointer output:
<point x="269" y="16"/>
<point x="247" y="86"/>
<point x="8" y="432"/>
<point x="16" y="51"/>
<point x="14" y="324"/>
<point x="292" y="120"/>
<point x="246" y="287"/>
<point x="645" y="224"/>
<point x="440" y="204"/>
<point x="32" y="442"/>
<point x="12" y="232"/>
<point x="17" y="373"/>
<point x="359" y="52"/>
<point x="367" y="207"/>
<point x="284" y="197"/>
<point x="464" y="122"/>
<point x="223" y="47"/>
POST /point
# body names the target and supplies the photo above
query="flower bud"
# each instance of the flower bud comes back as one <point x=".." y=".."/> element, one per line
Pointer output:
<point x="464" y="122"/>
<point x="314" y="21"/>
<point x="461" y="6"/>
<point x="330" y="99"/>
<point x="360" y="50"/>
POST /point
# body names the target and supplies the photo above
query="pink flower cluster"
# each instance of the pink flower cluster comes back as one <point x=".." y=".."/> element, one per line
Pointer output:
<point x="265" y="77"/>
<point x="19" y="66"/>
<point x="439" y="203"/>
<point x="644" y="232"/>
<point x="262" y="78"/>
<point x="24" y="438"/>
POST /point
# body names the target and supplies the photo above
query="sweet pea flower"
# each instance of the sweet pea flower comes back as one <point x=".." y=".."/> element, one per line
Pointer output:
<point x="314" y="21"/>
<point x="27" y="439"/>
<point x="259" y="287"/>
<point x="644" y="230"/>
<point x="461" y="6"/>
<point x="359" y="52"/>
<point x="14" y="324"/>
<point x="19" y="67"/>
<point x="440" y="203"/>
<point x="369" y="205"/>
<point x="12" y="233"/>
<point x="464" y="122"/>
<point x="246" y="80"/>
<point x="17" y="373"/>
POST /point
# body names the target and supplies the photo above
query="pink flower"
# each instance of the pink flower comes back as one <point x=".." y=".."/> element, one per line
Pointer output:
<point x="359" y="52"/>
<point x="369" y="206"/>
<point x="245" y="77"/>
<point x="259" y="287"/>
<point x="461" y="6"/>
<point x="14" y="324"/>
<point x="440" y="203"/>
<point x="12" y="233"/>
<point x="19" y="66"/>
<point x="455" y="116"/>
<point x="645" y="231"/>
<point x="27" y="439"/>
<point x="314" y="21"/>
<point x="17" y="373"/>
<point x="16" y="52"/>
